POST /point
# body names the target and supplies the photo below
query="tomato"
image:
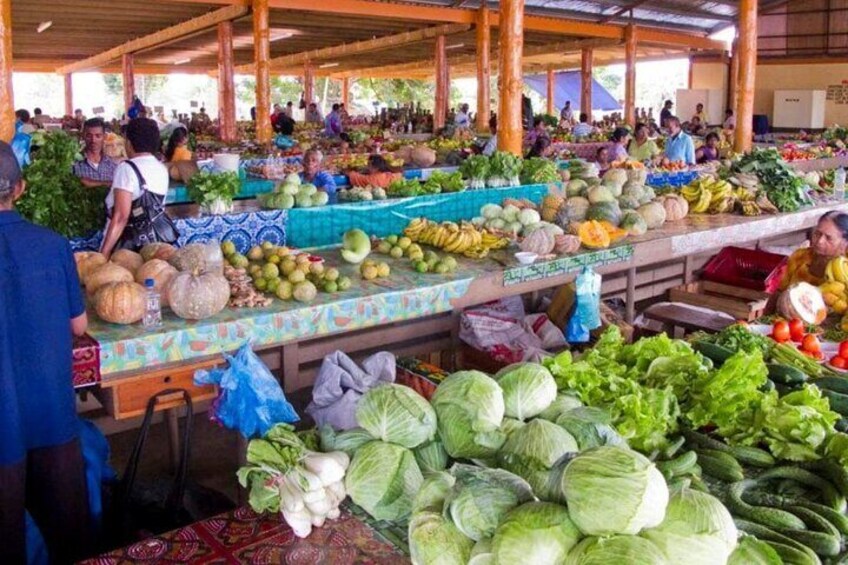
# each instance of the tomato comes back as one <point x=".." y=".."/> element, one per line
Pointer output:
<point x="796" y="329"/>
<point x="839" y="362"/>
<point x="843" y="349"/>
<point x="811" y="343"/>
<point x="780" y="331"/>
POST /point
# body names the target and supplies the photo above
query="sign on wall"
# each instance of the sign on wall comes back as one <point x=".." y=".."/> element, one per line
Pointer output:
<point x="838" y="93"/>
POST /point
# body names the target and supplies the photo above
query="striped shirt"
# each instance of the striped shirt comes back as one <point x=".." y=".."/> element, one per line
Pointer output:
<point x="102" y="172"/>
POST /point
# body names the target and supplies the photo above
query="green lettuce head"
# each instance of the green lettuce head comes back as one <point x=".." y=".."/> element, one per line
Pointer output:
<point x="531" y="451"/>
<point x="613" y="490"/>
<point x="528" y="389"/>
<point x="615" y="550"/>
<point x="396" y="414"/>
<point x="536" y="532"/>
<point x="434" y="540"/>
<point x="383" y="479"/>
<point x="752" y="551"/>
<point x="470" y="408"/>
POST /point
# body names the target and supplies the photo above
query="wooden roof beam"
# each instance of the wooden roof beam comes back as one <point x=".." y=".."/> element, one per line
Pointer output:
<point x="360" y="47"/>
<point x="167" y="35"/>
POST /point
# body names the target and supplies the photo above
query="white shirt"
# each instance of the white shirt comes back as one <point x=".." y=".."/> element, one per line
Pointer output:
<point x="491" y="146"/>
<point x="155" y="175"/>
<point x="461" y="120"/>
<point x="567" y="114"/>
<point x="730" y="122"/>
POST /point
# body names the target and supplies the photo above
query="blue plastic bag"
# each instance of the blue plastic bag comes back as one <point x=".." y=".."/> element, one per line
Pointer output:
<point x="251" y="400"/>
<point x="587" y="307"/>
<point x="21" y="144"/>
<point x="283" y="142"/>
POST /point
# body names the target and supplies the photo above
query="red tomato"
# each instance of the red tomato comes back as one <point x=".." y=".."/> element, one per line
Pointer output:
<point x="811" y="343"/>
<point x="796" y="329"/>
<point x="843" y="349"/>
<point x="839" y="362"/>
<point x="780" y="331"/>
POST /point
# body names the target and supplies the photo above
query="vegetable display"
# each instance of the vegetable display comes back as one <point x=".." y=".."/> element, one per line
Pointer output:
<point x="214" y="192"/>
<point x="783" y="187"/>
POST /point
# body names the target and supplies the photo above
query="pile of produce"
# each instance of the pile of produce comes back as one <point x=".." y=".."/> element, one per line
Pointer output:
<point x="451" y="237"/>
<point x="441" y="181"/>
<point x="422" y="261"/>
<point x="405" y="188"/>
<point x="291" y="193"/>
<point x="780" y="184"/>
<point x="214" y="192"/>
<point x="499" y="170"/>
<point x="243" y="293"/>
<point x="709" y="195"/>
<point x="538" y="170"/>
<point x="362" y="194"/>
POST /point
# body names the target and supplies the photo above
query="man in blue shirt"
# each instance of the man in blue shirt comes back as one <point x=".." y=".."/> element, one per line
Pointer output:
<point x="678" y="145"/>
<point x="41" y="306"/>
<point x="312" y="173"/>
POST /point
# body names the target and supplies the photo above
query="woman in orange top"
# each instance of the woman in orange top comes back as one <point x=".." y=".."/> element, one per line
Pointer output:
<point x="828" y="240"/>
<point x="378" y="174"/>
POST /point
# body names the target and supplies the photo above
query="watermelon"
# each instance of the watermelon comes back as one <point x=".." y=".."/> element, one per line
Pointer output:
<point x="605" y="211"/>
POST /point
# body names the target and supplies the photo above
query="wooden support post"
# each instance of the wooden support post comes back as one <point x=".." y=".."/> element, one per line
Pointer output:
<point x="7" y="100"/>
<point x="308" y="83"/>
<point x="630" y="75"/>
<point x="511" y="83"/>
<point x="129" y="80"/>
<point x="586" y="82"/>
<point x="550" y="92"/>
<point x="484" y="72"/>
<point x="69" y="94"/>
<point x="690" y="79"/>
<point x="346" y="93"/>
<point x="440" y="109"/>
<point x="747" y="73"/>
<point x="630" y="296"/>
<point x="733" y="79"/>
<point x="226" y="84"/>
<point x="262" y="58"/>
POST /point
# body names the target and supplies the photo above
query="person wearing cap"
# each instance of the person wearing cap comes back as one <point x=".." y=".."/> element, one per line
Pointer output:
<point x="41" y="464"/>
<point x="665" y="114"/>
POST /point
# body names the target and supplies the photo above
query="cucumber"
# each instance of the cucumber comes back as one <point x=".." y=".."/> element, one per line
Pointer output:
<point x="841" y="425"/>
<point x="753" y="456"/>
<point x="830" y="495"/>
<point x="837" y="519"/>
<point x="715" y="353"/>
<point x="771" y="517"/>
<point x="836" y="384"/>
<point x="785" y="374"/>
<point x="720" y="465"/>
<point x="823" y="544"/>
<point x="699" y="484"/>
<point x="768" y="386"/>
<point x="672" y="449"/>
<point x="679" y="483"/>
<point x="771" y="536"/>
<point x="814" y="521"/>
<point x="838" y="401"/>
<point x="793" y="556"/>
<point x="704" y="441"/>
<point x="832" y="471"/>
<point x="678" y="466"/>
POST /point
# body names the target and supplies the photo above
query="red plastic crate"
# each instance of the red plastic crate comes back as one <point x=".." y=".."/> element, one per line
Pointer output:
<point x="746" y="268"/>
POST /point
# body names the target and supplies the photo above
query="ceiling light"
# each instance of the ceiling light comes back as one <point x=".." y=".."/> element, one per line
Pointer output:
<point x="182" y="61"/>
<point x="43" y="26"/>
<point x="328" y="65"/>
<point x="455" y="46"/>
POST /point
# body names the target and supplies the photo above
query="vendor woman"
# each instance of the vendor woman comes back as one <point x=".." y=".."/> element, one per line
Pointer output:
<point x="378" y="173"/>
<point x="312" y="173"/>
<point x="828" y="240"/>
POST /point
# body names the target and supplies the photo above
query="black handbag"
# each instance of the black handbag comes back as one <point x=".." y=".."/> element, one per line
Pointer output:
<point x="148" y="222"/>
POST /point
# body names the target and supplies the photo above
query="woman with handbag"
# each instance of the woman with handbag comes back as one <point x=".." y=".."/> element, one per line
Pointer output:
<point x="135" y="204"/>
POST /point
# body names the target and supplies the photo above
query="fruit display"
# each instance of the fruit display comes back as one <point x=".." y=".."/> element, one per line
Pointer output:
<point x="120" y="302"/>
<point x="778" y="182"/>
<point x="356" y="246"/>
<point x="708" y="195"/>
<point x="274" y="169"/>
<point x="510" y="220"/>
<point x="835" y="289"/>
<point x="422" y="261"/>
<point x="105" y="274"/>
<point x="130" y="260"/>
<point x="464" y="238"/>
<point x="362" y="194"/>
<point x="370" y="270"/>
<point x="291" y="193"/>
<point x="243" y="293"/>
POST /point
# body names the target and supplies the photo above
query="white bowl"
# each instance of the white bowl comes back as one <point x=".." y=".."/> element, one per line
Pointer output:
<point x="526" y="257"/>
<point x="227" y="161"/>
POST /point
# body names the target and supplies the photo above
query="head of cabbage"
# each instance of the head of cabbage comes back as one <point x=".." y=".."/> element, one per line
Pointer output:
<point x="528" y="389"/>
<point x="431" y="457"/>
<point x="614" y="490"/>
<point x="697" y="529"/>
<point x="383" y="478"/>
<point x="536" y="532"/>
<point x="396" y="414"/>
<point x="469" y="406"/>
<point x="632" y="550"/>
<point x="434" y="540"/>
<point x="562" y="403"/>
<point x="751" y="551"/>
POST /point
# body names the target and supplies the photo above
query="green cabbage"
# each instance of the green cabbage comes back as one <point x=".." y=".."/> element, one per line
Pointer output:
<point x="396" y="414"/>
<point x="590" y="427"/>
<point x="614" y="490"/>
<point x="434" y="540"/>
<point x="616" y="550"/>
<point x="528" y="389"/>
<point x="470" y="408"/>
<point x="348" y="441"/>
<point x="433" y="493"/>
<point x="752" y="551"/>
<point x="532" y="451"/>
<point x="562" y="403"/>
<point x="482" y="553"/>
<point x="383" y="479"/>
<point x="431" y="457"/>
<point x="697" y="530"/>
<point x="537" y="533"/>
<point x="481" y="497"/>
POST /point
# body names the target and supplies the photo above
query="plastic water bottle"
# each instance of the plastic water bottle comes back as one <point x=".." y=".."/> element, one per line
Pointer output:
<point x="839" y="184"/>
<point x="153" y="307"/>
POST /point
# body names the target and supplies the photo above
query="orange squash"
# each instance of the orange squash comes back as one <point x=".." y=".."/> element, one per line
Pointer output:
<point x="120" y="302"/>
<point x="105" y="274"/>
<point x="614" y="232"/>
<point x="593" y="235"/>
<point x="87" y="262"/>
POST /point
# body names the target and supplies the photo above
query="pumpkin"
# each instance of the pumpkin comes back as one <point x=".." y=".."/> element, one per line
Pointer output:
<point x="540" y="242"/>
<point x="606" y="211"/>
<point x="633" y="223"/>
<point x="120" y="302"/>
<point x="161" y="272"/>
<point x="598" y="194"/>
<point x="564" y="244"/>
<point x="676" y="207"/>
<point x="196" y="257"/>
<point x="195" y="295"/>
<point x="803" y="301"/>
<point x="593" y="235"/>
<point x="422" y="156"/>
<point x="87" y="262"/>
<point x="162" y="251"/>
<point x="105" y="274"/>
<point x="130" y="260"/>
<point x="550" y="206"/>
<point x="653" y="213"/>
<point x="574" y="210"/>
<point x="404" y="153"/>
<point x="614" y="232"/>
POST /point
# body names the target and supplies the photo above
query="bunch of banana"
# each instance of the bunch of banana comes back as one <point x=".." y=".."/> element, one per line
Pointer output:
<point x="744" y="194"/>
<point x="709" y="195"/>
<point x="765" y="204"/>
<point x="837" y="270"/>
<point x="454" y="238"/>
<point x="748" y="208"/>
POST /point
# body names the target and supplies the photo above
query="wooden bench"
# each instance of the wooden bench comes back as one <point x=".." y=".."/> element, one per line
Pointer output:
<point x="674" y="315"/>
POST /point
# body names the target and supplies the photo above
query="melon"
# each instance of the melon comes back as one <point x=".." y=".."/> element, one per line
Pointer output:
<point x="600" y="194"/>
<point x="653" y="214"/>
<point x="574" y="210"/>
<point x="803" y="301"/>
<point x="576" y="187"/>
<point x="633" y="223"/>
<point x="676" y="207"/>
<point x="605" y="211"/>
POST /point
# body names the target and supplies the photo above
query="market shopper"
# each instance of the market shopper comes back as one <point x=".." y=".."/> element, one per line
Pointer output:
<point x="333" y="123"/>
<point x="620" y="138"/>
<point x="584" y="128"/>
<point x="665" y="113"/>
<point x="312" y="173"/>
<point x="25" y="124"/>
<point x="729" y="120"/>
<point x="566" y="116"/>
<point x="177" y="148"/>
<point x="828" y="240"/>
<point x="130" y="211"/>
<point x="96" y="168"/>
<point x="701" y="114"/>
<point x="642" y="148"/>
<point x="313" y="116"/>
<point x="378" y="173"/>
<point x="709" y="150"/>
<point x="462" y="119"/>
<point x="41" y="465"/>
<point x="679" y="145"/>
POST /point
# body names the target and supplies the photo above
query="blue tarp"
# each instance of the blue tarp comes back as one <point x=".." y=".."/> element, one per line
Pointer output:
<point x="567" y="87"/>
